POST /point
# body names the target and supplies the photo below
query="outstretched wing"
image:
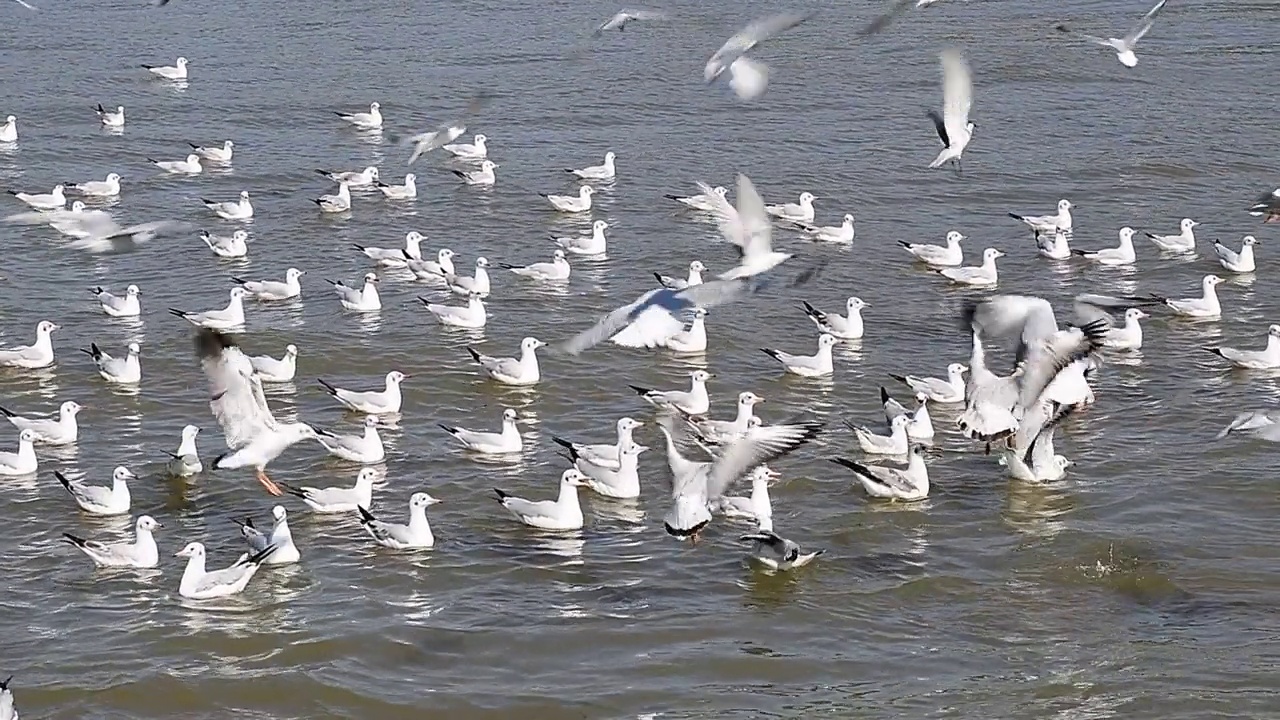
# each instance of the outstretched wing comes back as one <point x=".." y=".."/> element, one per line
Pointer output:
<point x="757" y="446"/>
<point x="1144" y="27"/>
<point x="750" y="36"/>
<point x="235" y="392"/>
<point x="957" y="93"/>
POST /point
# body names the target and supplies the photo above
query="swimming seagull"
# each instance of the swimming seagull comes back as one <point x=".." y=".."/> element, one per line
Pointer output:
<point x="274" y="290"/>
<point x="716" y="432"/>
<point x="1054" y="248"/>
<point x="844" y="327"/>
<point x="362" y="299"/>
<point x="603" y="455"/>
<point x="198" y="584"/>
<point x="395" y="257"/>
<point x="110" y="187"/>
<point x="801" y="212"/>
<point x="22" y="462"/>
<point x="213" y="153"/>
<point x="407" y="191"/>
<point x="506" y="441"/>
<point x="694" y="401"/>
<point x="1206" y="306"/>
<point x="704" y="201"/>
<point x="757" y="507"/>
<point x="593" y="244"/>
<point x="190" y="165"/>
<point x="1129" y="335"/>
<point x="749" y="78"/>
<point x="842" y="233"/>
<point x="123" y="371"/>
<point x="953" y="125"/>
<point x="603" y="171"/>
<point x="483" y="176"/>
<point x="229" y="318"/>
<point x="176" y="71"/>
<point x="9" y="130"/>
<point x="431" y="269"/>
<point x="513" y="371"/>
<point x="619" y="21"/>
<point x="1125" y="46"/>
<point x="111" y="118"/>
<point x="62" y="430"/>
<point x="1183" y="242"/>
<point x="254" y="436"/>
<point x="1266" y="359"/>
<point x="951" y="390"/>
<point x="919" y="425"/>
<point x="241" y="209"/>
<point x="337" y="203"/>
<point x="355" y="178"/>
<point x="52" y="200"/>
<point x="373" y="402"/>
<point x="339" y="500"/>
<point x="9" y="711"/>
<point x="34" y="356"/>
<point x="141" y="553"/>
<point x="910" y="483"/>
<point x="556" y="270"/>
<point x="235" y="245"/>
<point x="563" y="513"/>
<point x="696" y="268"/>
<point x="270" y="369"/>
<point x="1124" y="254"/>
<point x="471" y="316"/>
<point x="365" y="449"/>
<point x="99" y="499"/>
<point x="475" y="284"/>
<point x="1237" y="262"/>
<point x="1048" y="223"/>
<point x="1267" y="206"/>
<point x="620" y="482"/>
<point x="817" y="365"/>
<point x="570" y="203"/>
<point x="280" y="538"/>
<point x="985" y="274"/>
<point x="474" y="150"/>
<point x="949" y="255"/>
<point x="691" y="340"/>
<point x="895" y="443"/>
<point x="126" y="305"/>
<point x="185" y="462"/>
<point x="371" y="120"/>
<point x="776" y="552"/>
<point x="416" y="534"/>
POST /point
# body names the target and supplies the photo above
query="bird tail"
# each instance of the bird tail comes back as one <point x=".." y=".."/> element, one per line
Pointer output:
<point x="884" y="395"/>
<point x="328" y="387"/>
<point x="72" y="539"/>
<point x="502" y="494"/>
<point x="640" y="390"/>
<point x="448" y="428"/>
<point x="62" y="479"/>
<point x="1017" y="217"/>
<point x="179" y="313"/>
<point x="561" y="442"/>
<point x="366" y="517"/>
<point x="7" y="412"/>
<point x="814" y="312"/>
<point x="772" y="353"/>
<point x="474" y="355"/>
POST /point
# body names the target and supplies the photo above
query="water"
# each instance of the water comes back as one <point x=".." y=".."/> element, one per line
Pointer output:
<point x="1143" y="585"/>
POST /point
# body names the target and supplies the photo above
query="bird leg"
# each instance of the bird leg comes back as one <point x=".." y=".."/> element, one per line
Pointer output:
<point x="267" y="483"/>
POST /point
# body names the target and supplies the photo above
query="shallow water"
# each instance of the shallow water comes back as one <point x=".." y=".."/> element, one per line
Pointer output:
<point x="1142" y="585"/>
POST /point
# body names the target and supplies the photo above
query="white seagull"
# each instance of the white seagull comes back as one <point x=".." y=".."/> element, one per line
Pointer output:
<point x="909" y="483"/>
<point x="190" y="165"/>
<point x="602" y="454"/>
<point x="141" y="553"/>
<point x="801" y="212"/>
<point x="556" y="270"/>
<point x="895" y="443"/>
<point x="126" y="305"/>
<point x="1183" y="243"/>
<point x="593" y="244"/>
<point x="406" y="191"/>
<point x="62" y="430"/>
<point x="362" y="299"/>
<point x="1124" y="254"/>
<point x="241" y="209"/>
<point x="176" y="71"/>
<point x="339" y="500"/>
<point x="1237" y="262"/>
<point x="111" y="118"/>
<point x="431" y="269"/>
<point x="563" y="513"/>
<point x="228" y="318"/>
<point x="1267" y="358"/>
<point x="337" y="203"/>
<point x="1048" y="223"/>
<point x="717" y="432"/>
<point x="513" y="371"/>
<point x="475" y="150"/>
<point x="372" y="402"/>
<point x="52" y="200"/>
<point x="34" y="356"/>
<point x="9" y="130"/>
<point x="478" y="283"/>
<point x="185" y="462"/>
<point x="470" y="316"/>
<point x="198" y="584"/>
<point x="842" y="233"/>
<point x="412" y="536"/>
<point x="949" y="255"/>
<point x="817" y="365"/>
<point x="694" y="401"/>
<point x="98" y="188"/>
<point x="483" y="176"/>
<point x="603" y="171"/>
<point x="280" y="539"/>
<point x="1056" y="247"/>
<point x="126" y="370"/>
<point x="1129" y="335"/>
<point x="776" y="552"/>
<point x="572" y="203"/>
<point x="844" y="327"/>
<point x="620" y="20"/>
<point x="355" y="179"/>
<point x="707" y="201"/>
<point x="1206" y="306"/>
<point x="395" y="257"/>
<point x="22" y="462"/>
<point x="1124" y="46"/>
<point x="371" y="120"/>
<point x="235" y="245"/>
<point x="506" y="441"/>
<point x="696" y="268"/>
<point x="749" y="78"/>
<point x="365" y="449"/>
<point x="985" y="274"/>
<point x="214" y="153"/>
<point x="946" y="391"/>
<point x="621" y="482"/>
<point x="270" y="369"/>
<point x="99" y="499"/>
<point x="920" y="425"/>
<point x="953" y="125"/>
<point x="274" y="290"/>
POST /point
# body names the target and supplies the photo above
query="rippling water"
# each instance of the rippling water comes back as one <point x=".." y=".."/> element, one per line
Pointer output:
<point x="1143" y="585"/>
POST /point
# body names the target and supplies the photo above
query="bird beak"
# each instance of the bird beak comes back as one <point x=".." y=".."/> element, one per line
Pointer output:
<point x="159" y="524"/>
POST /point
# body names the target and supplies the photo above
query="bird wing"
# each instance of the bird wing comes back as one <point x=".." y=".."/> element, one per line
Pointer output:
<point x="235" y="393"/>
<point x="1030" y="318"/>
<point x="750" y="36"/>
<point x="652" y="327"/>
<point x="1144" y="27"/>
<point x="757" y="446"/>
<point x="957" y="93"/>
<point x="757" y="230"/>
<point x="941" y="126"/>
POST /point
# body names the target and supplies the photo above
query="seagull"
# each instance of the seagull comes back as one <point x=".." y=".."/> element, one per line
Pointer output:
<point x="407" y="191"/>
<point x="556" y="270"/>
<point x="478" y="283"/>
<point x="238" y="210"/>
<point x="371" y="120"/>
<point x="621" y="482"/>
<point x="603" y="455"/>
<point x="200" y="585"/>
<point x="488" y="443"/>
<point x="1048" y="223"/>
<point x="984" y="274"/>
<point x="228" y="318"/>
<point x="9" y="134"/>
<point x="475" y="150"/>
<point x="817" y="365"/>
<point x="1266" y="359"/>
<point x="234" y="245"/>
<point x="274" y="290"/>
<point x="109" y="118"/>
<point x="749" y="78"/>
<point x="365" y="299"/>
<point x="593" y="244"/>
<point x="176" y="71"/>
<point x="1124" y="47"/>
<point x="416" y="534"/>
<point x="341" y="202"/>
<point x="432" y="139"/>
<point x="919" y="425"/>
<point x="34" y="356"/>
<point x="1184" y="242"/>
<point x="98" y="499"/>
<point x="1122" y="255"/>
<point x="1040" y="463"/>
<point x="603" y="171"/>
<point x="1127" y="336"/>
<point x="22" y="462"/>
<point x="186" y="461"/>
<point x="690" y="340"/>
<point x="431" y="269"/>
<point x="747" y="227"/>
<point x="1261" y="421"/>
<point x="795" y="212"/>
<point x="843" y="327"/>
<point x="7" y="709"/>
<point x="1267" y="206"/>
<point x="842" y="233"/>
<point x="619" y="21"/>
<point x="98" y="188"/>
<point x="96" y="231"/>
<point x="909" y="483"/>
<point x="141" y="553"/>
<point x="776" y="552"/>
<point x="895" y="443"/>
<point x="945" y="392"/>
<point x="190" y="165"/>
<point x="949" y="255"/>
<point x="570" y="203"/>
<point x="757" y="507"/>
<point x="563" y="513"/>
<point x="707" y="201"/>
<point x="513" y="371"/>
<point x="365" y="449"/>
<point x="395" y="257"/>
<point x="483" y="176"/>
<point x="270" y="369"/>
<point x="355" y="179"/>
<point x="339" y="500"/>
<point x="953" y="125"/>
<point x="716" y="432"/>
<point x="374" y="402"/>
<point x="52" y="200"/>
<point x="696" y="268"/>
<point x="215" y="154"/>
<point x="694" y="401"/>
<point x="1237" y="262"/>
<point x="126" y="305"/>
<point x="471" y="316"/>
<point x="284" y="552"/>
<point x="122" y="371"/>
<point x="1206" y="306"/>
<point x="1054" y="248"/>
<point x="49" y="431"/>
<point x="254" y="436"/>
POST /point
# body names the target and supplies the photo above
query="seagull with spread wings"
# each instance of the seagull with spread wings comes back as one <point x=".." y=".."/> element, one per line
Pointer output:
<point x="1124" y="46"/>
<point x="953" y="125"/>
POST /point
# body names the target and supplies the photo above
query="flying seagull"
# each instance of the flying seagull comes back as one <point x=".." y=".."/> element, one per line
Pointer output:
<point x="619" y="22"/>
<point x="953" y="124"/>
<point x="748" y="78"/>
<point x="1123" y="46"/>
